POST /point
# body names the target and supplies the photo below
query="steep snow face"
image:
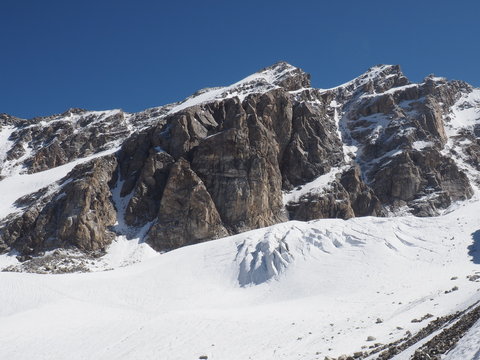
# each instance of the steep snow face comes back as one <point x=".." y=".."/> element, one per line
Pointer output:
<point x="462" y="126"/>
<point x="291" y="291"/>
<point x="465" y="114"/>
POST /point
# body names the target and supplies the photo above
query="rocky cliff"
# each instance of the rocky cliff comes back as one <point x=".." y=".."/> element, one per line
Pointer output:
<point x="225" y="160"/>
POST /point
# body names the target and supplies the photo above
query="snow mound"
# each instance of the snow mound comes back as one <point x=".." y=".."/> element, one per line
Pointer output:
<point x="266" y="254"/>
<point x="259" y="261"/>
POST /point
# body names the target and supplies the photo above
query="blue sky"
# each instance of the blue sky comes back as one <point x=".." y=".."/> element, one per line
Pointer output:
<point x="137" y="54"/>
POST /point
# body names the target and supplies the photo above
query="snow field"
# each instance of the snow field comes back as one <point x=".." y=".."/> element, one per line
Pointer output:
<point x="284" y="292"/>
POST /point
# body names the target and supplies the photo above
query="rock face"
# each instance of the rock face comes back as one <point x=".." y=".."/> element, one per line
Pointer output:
<point x="400" y="134"/>
<point x="314" y="147"/>
<point x="221" y="161"/>
<point x="144" y="204"/>
<point x="240" y="164"/>
<point x="78" y="214"/>
<point x="345" y="198"/>
<point x="187" y="214"/>
<point x="414" y="175"/>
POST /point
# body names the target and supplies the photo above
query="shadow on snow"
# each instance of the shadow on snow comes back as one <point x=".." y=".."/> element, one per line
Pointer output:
<point x="474" y="249"/>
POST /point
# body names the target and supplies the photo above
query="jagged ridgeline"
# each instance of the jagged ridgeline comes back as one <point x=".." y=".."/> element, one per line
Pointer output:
<point x="262" y="151"/>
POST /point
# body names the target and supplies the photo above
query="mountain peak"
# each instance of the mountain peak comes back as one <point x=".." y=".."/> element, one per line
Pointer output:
<point x="376" y="79"/>
<point x="285" y="75"/>
<point x="279" y="75"/>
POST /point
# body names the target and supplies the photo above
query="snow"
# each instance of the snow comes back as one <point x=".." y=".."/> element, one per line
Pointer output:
<point x="370" y="75"/>
<point x="465" y="113"/>
<point x="128" y="246"/>
<point x="317" y="186"/>
<point x="256" y="83"/>
<point x="392" y="90"/>
<point x="349" y="151"/>
<point x="420" y="144"/>
<point x="271" y="293"/>
<point x="125" y="251"/>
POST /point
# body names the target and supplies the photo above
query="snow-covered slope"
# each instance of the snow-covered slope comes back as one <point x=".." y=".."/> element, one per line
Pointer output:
<point x="292" y="291"/>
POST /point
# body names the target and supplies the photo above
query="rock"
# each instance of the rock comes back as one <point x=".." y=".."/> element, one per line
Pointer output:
<point x="145" y="201"/>
<point x="371" y="338"/>
<point x="239" y="166"/>
<point x="449" y="335"/>
<point x="344" y="198"/>
<point x="334" y="203"/>
<point x="409" y="176"/>
<point x="363" y="200"/>
<point x="187" y="213"/>
<point x="314" y="147"/>
<point x="79" y="214"/>
<point x="58" y="139"/>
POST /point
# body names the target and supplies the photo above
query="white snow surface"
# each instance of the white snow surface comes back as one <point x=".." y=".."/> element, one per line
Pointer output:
<point x="259" y="82"/>
<point x="370" y="75"/>
<point x="420" y="145"/>
<point x="289" y="291"/>
<point x="317" y="186"/>
<point x="465" y="113"/>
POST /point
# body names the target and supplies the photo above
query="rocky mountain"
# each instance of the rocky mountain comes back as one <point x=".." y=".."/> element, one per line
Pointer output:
<point x="265" y="150"/>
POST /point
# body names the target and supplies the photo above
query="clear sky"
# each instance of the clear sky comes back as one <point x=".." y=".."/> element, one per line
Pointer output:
<point x="104" y="54"/>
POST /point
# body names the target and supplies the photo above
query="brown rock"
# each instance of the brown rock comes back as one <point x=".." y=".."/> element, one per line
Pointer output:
<point x="187" y="214"/>
<point x="79" y="214"/>
<point x="144" y="204"/>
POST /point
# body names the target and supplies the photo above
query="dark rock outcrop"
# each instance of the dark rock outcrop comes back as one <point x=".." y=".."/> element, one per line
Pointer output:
<point x="144" y="204"/>
<point x="314" y="146"/>
<point x="79" y="214"/>
<point x="426" y="180"/>
<point x="346" y="197"/>
<point x="187" y="214"/>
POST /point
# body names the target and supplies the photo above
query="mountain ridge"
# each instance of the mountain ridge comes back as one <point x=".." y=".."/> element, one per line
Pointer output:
<point x="382" y="139"/>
